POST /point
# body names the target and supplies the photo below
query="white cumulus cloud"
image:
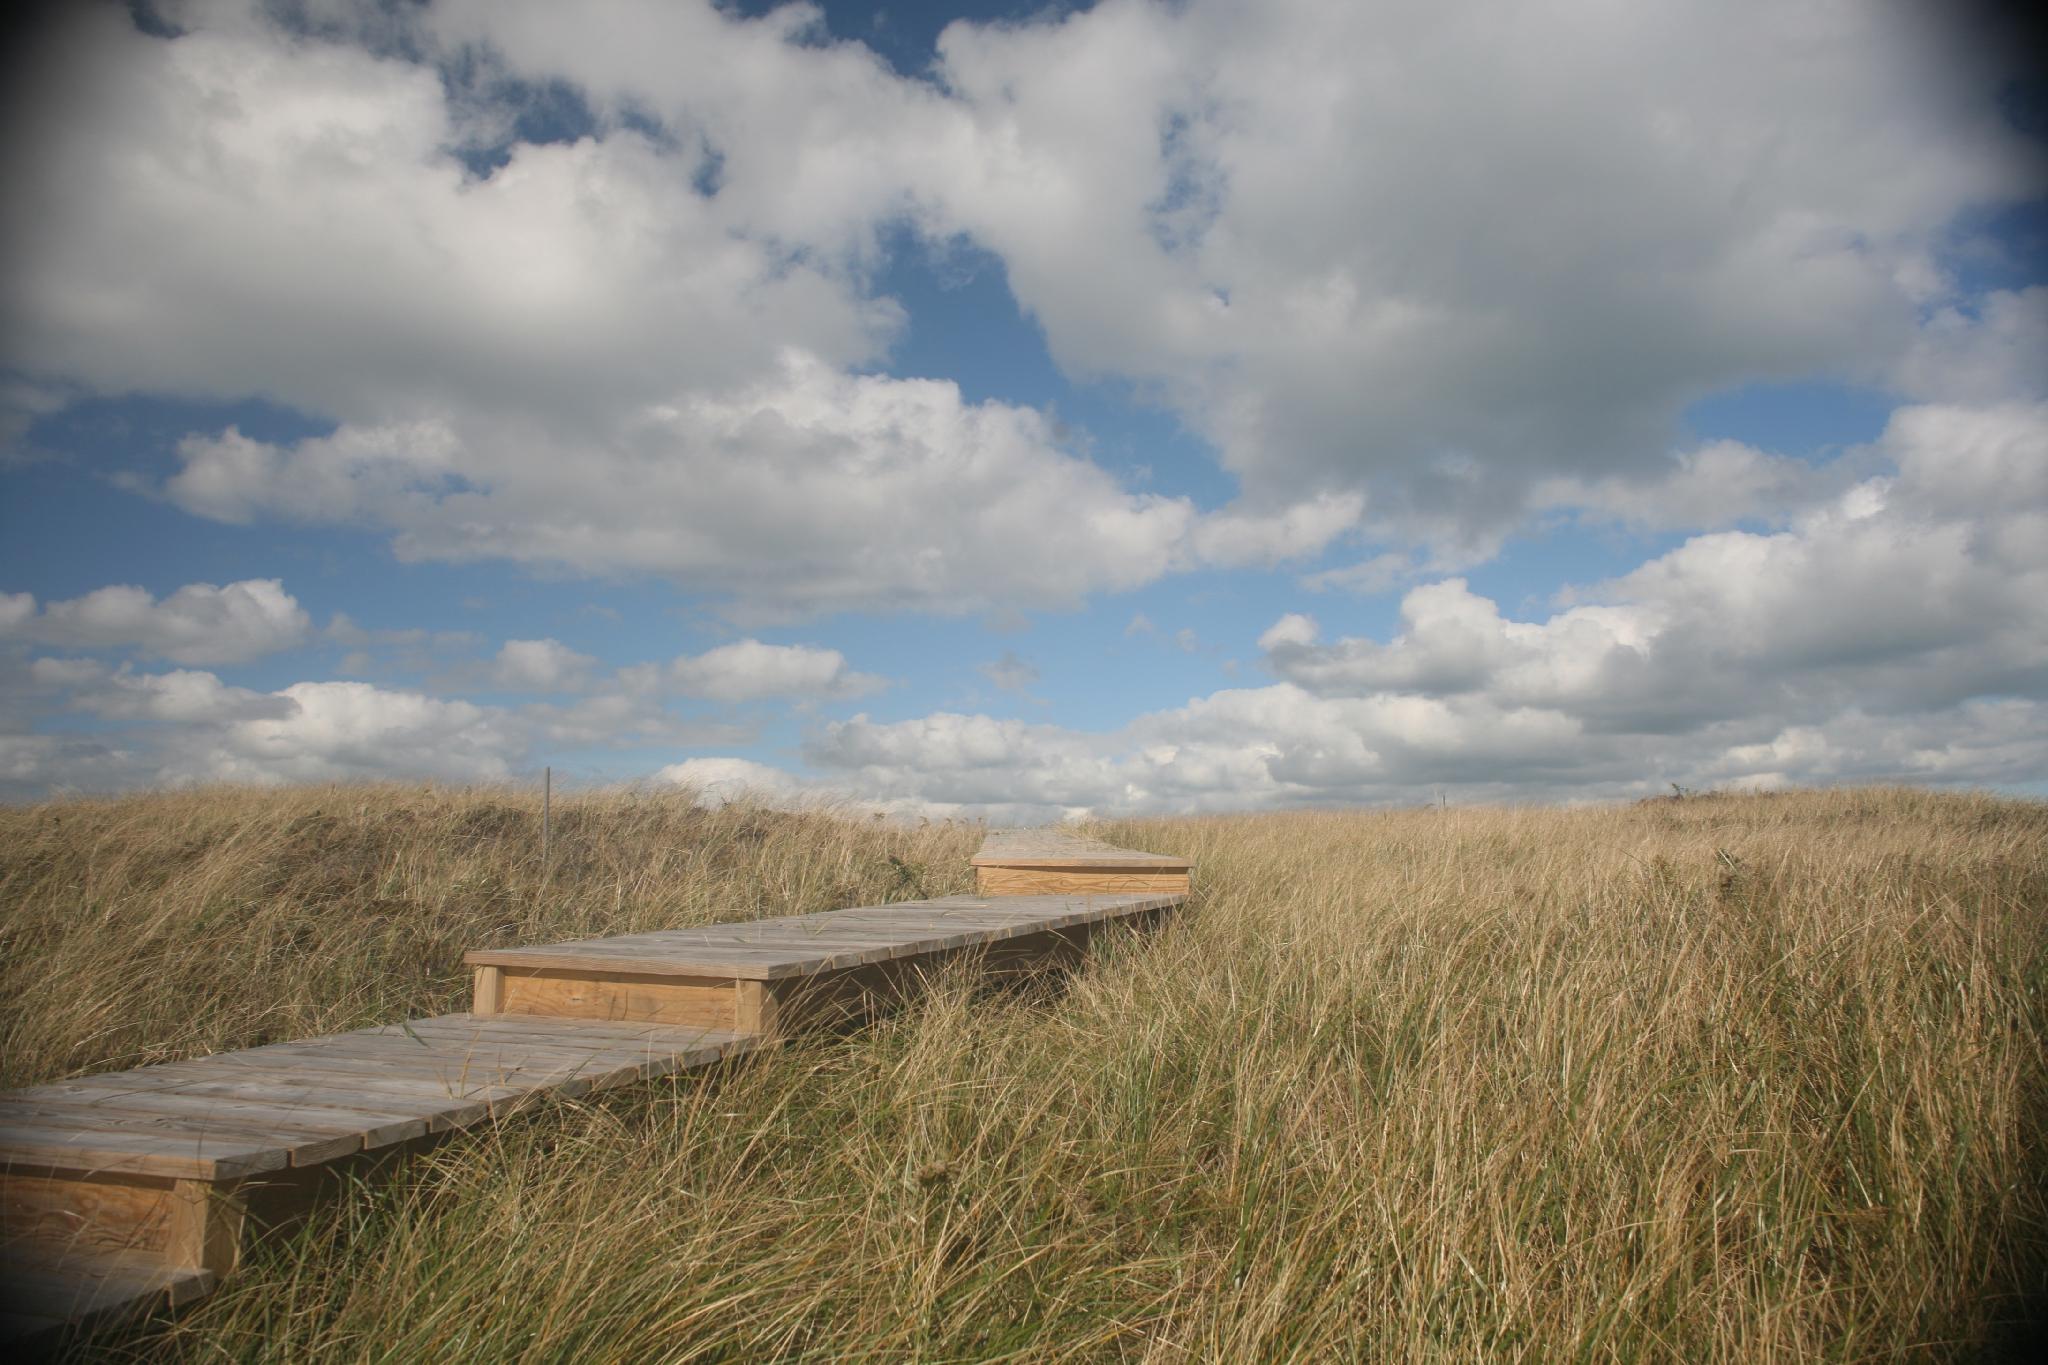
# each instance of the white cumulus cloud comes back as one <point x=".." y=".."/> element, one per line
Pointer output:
<point x="748" y="670"/>
<point x="200" y="623"/>
<point x="1893" y="632"/>
<point x="1410" y="274"/>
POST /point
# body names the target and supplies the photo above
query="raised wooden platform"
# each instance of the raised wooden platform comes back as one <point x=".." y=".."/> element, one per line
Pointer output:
<point x="770" y="976"/>
<point x="1029" y="862"/>
<point x="130" y="1191"/>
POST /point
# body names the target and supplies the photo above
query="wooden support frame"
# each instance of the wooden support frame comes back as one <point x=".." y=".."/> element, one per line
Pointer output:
<point x="766" y="1008"/>
<point x="79" y="1215"/>
<point x="489" y="995"/>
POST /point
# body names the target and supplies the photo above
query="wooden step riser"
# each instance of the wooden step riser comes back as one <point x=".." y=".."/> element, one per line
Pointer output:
<point x="768" y="1008"/>
<point x="194" y="1224"/>
<point x="685" y="1002"/>
<point x="1026" y="880"/>
<point x="187" y="1224"/>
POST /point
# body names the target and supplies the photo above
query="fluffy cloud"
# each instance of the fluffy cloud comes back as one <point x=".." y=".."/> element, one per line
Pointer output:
<point x="1413" y="276"/>
<point x="343" y="730"/>
<point x="719" y="780"/>
<point x="184" y="727"/>
<point x="1232" y="750"/>
<point x="1389" y="246"/>
<point x="182" y="697"/>
<point x="748" y="670"/>
<point x="1899" y="596"/>
<point x="959" y="760"/>
<point x="636" y="351"/>
<point x="541" y="666"/>
<point x="1282" y="746"/>
<point x="198" y="624"/>
<point x="626" y="718"/>
<point x="808" y="492"/>
<point x="242" y="209"/>
<point x="1718" y="484"/>
<point x="1981" y="353"/>
<point x="1235" y="538"/>
<point x="1892" y="632"/>
<point x="579" y="360"/>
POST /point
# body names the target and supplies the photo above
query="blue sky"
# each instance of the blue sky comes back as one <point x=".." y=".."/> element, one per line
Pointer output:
<point x="1019" y="411"/>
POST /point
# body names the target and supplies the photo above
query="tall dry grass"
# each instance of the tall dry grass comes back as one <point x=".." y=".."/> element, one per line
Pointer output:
<point x="146" y="929"/>
<point x="1719" y="1079"/>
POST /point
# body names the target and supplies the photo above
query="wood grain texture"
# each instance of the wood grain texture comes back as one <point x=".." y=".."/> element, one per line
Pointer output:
<point x="110" y="1212"/>
<point x="26" y="1141"/>
<point x="208" y="1222"/>
<point x="375" y="1101"/>
<point x="616" y="996"/>
<point x="245" y="1113"/>
<point x="300" y="1145"/>
<point x="1011" y="880"/>
<point x="488" y="996"/>
<point x="295" y="1112"/>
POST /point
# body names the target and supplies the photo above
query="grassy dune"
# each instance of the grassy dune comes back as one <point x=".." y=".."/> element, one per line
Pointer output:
<point x="1715" y="1079"/>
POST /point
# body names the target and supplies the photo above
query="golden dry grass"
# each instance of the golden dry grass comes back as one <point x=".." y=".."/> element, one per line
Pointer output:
<point x="151" y="928"/>
<point x="1718" y="1079"/>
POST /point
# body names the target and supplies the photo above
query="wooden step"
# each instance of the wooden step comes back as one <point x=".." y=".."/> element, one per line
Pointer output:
<point x="153" y="1179"/>
<point x="130" y="1191"/>
<point x="1032" y="862"/>
<point x="769" y="977"/>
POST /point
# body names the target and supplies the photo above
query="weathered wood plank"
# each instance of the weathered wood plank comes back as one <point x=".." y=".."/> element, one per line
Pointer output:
<point x="884" y="933"/>
<point x="374" y="1101"/>
<point x="111" y="1212"/>
<point x="509" y="1058"/>
<point x="199" y="1158"/>
<point x="362" y="1087"/>
<point x="618" y="996"/>
<point x="685" y="1043"/>
<point x="487" y="997"/>
<point x="1014" y="880"/>
<point x="301" y="1146"/>
<point x="441" y="1054"/>
<point x="353" y="1074"/>
<point x="688" y="957"/>
<point x="568" y="1067"/>
<point x="268" y="1110"/>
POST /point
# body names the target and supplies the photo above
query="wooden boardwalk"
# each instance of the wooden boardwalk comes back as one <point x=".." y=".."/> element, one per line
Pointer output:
<point x="1034" y="861"/>
<point x="130" y="1191"/>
